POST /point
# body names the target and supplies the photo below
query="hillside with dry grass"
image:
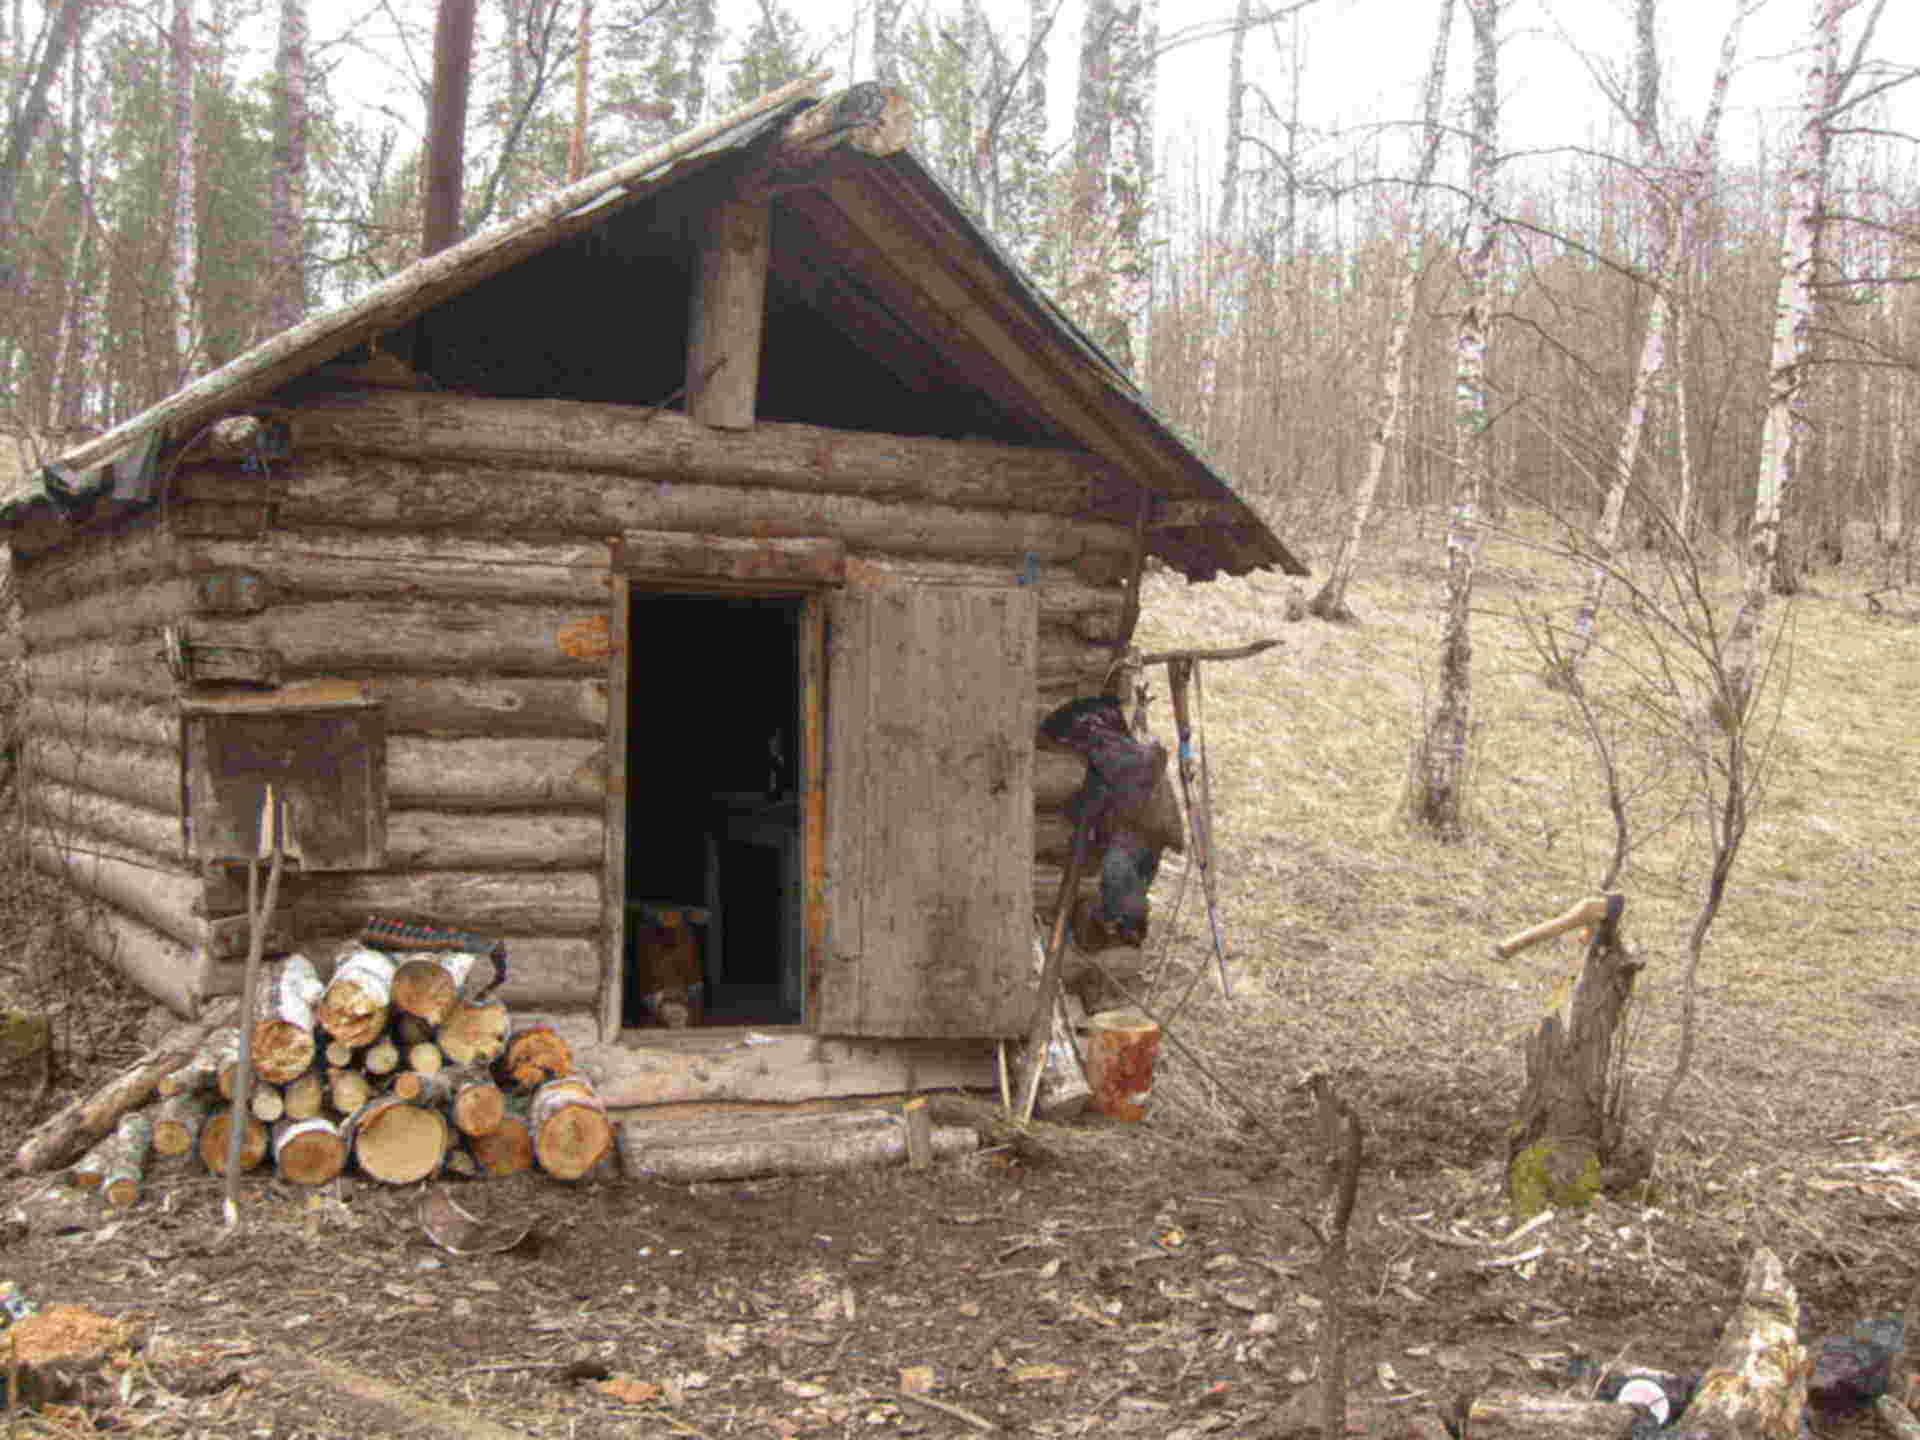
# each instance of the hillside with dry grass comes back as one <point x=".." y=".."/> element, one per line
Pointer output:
<point x="1359" y="943"/>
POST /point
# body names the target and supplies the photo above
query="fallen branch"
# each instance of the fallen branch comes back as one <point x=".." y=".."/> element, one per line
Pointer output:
<point x="954" y="1412"/>
<point x="77" y="1125"/>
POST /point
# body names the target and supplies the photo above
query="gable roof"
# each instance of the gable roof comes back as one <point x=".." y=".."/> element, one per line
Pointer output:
<point x="912" y="271"/>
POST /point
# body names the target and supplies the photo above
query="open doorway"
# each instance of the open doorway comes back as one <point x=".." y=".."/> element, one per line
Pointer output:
<point x="715" y="869"/>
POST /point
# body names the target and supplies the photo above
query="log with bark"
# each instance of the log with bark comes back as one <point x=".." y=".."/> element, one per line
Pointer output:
<point x="310" y="1151"/>
<point x="473" y="1033"/>
<point x="306" y="1095"/>
<point x="178" y="1120"/>
<point x="428" y="984"/>
<point x="506" y="1149"/>
<point x="784" y="1144"/>
<point x="214" y="1137"/>
<point x="283" y="1043"/>
<point x="88" y="1119"/>
<point x="397" y="1142"/>
<point x="266" y="1103"/>
<point x="131" y="1143"/>
<point x="534" y="1055"/>
<point x="1756" y="1387"/>
<point x="571" y="1132"/>
<point x="348" y="1090"/>
<point x="355" y="1006"/>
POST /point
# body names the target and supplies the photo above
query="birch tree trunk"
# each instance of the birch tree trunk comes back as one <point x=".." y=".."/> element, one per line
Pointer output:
<point x="1331" y="602"/>
<point x="287" y="183"/>
<point x="1893" y="517"/>
<point x="1793" y="315"/>
<point x="1439" y="785"/>
<point x="1088" y="285"/>
<point x="1693" y="196"/>
<point x="66" y="394"/>
<point x="1218" y="297"/>
<point x="1129" y="185"/>
<point x="185" y="236"/>
<point x="1645" y="118"/>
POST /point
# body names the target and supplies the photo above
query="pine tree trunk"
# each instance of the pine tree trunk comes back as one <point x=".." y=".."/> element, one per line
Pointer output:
<point x="1439" y="801"/>
<point x="447" y="124"/>
<point x="1793" y="318"/>
<point x="23" y="128"/>
<point x="185" y="234"/>
<point x="1331" y="602"/>
<point x="287" y="182"/>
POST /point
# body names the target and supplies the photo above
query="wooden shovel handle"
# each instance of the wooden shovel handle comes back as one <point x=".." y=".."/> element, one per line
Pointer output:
<point x="1588" y="912"/>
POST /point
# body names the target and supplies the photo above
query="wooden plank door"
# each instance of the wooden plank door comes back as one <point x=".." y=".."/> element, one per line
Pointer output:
<point x="929" y="794"/>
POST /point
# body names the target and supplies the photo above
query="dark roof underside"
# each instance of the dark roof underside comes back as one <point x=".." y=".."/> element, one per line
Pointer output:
<point x="888" y="310"/>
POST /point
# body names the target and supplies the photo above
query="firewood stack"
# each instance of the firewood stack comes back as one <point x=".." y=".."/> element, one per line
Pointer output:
<point x="391" y="1066"/>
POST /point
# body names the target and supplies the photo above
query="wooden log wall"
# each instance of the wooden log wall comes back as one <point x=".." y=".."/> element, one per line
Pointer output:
<point x="452" y="558"/>
<point x="100" y="751"/>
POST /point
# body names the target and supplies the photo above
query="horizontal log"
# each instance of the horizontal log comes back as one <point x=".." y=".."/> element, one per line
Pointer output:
<point x="144" y="774"/>
<point x="388" y="494"/>
<point x="328" y="563"/>
<point x="555" y="903"/>
<point x="670" y="1067"/>
<point x="162" y="897"/>
<point x="725" y="560"/>
<point x="1062" y="591"/>
<point x="105" y="717"/>
<point x="498" y="706"/>
<point x="631" y="441"/>
<point x="436" y="637"/>
<point x="103" y="667"/>
<point x="96" y="562"/>
<point x="456" y="840"/>
<point x="111" y="609"/>
<point x="153" y="961"/>
<point x="1069" y="660"/>
<point x="424" y="773"/>
<point x="155" y="832"/>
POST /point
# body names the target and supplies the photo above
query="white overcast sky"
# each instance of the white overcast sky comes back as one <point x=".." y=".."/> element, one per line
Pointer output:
<point x="1365" y="59"/>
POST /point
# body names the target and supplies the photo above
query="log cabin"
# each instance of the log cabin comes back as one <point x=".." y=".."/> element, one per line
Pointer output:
<point x="673" y="575"/>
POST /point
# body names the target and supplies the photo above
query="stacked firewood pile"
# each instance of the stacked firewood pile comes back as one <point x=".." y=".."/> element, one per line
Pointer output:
<point x="387" y="1067"/>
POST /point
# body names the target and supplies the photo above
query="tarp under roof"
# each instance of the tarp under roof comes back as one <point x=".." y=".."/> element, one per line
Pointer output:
<point x="1200" y="528"/>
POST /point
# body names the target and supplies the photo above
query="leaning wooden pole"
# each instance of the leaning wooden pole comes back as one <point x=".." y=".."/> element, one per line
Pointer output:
<point x="258" y="916"/>
<point x="1040" y="1032"/>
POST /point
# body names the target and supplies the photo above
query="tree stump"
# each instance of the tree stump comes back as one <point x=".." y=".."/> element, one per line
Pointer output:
<point x="1566" y="1142"/>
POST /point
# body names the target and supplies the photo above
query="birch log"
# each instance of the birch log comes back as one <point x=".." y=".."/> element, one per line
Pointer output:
<point x="397" y="1142"/>
<point x="506" y="1149"/>
<point x="87" y="1119"/>
<point x="283" y="1044"/>
<point x="568" y="1122"/>
<point x="213" y="1142"/>
<point x="310" y="1151"/>
<point x="474" y="1033"/>
<point x="129" y="1146"/>
<point x="427" y="985"/>
<point x="178" y="1119"/>
<point x="355" y="1006"/>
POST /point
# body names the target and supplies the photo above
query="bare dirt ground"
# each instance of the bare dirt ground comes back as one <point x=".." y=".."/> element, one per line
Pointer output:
<point x="1157" y="1280"/>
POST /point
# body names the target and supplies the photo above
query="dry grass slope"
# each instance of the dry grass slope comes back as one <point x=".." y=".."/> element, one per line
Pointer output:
<point x="1360" y="944"/>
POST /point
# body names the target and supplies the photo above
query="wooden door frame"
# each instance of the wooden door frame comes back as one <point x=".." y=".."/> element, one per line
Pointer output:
<point x="810" y="589"/>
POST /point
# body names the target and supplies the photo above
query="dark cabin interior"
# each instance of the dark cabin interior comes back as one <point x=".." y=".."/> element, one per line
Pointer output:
<point x="713" y="840"/>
